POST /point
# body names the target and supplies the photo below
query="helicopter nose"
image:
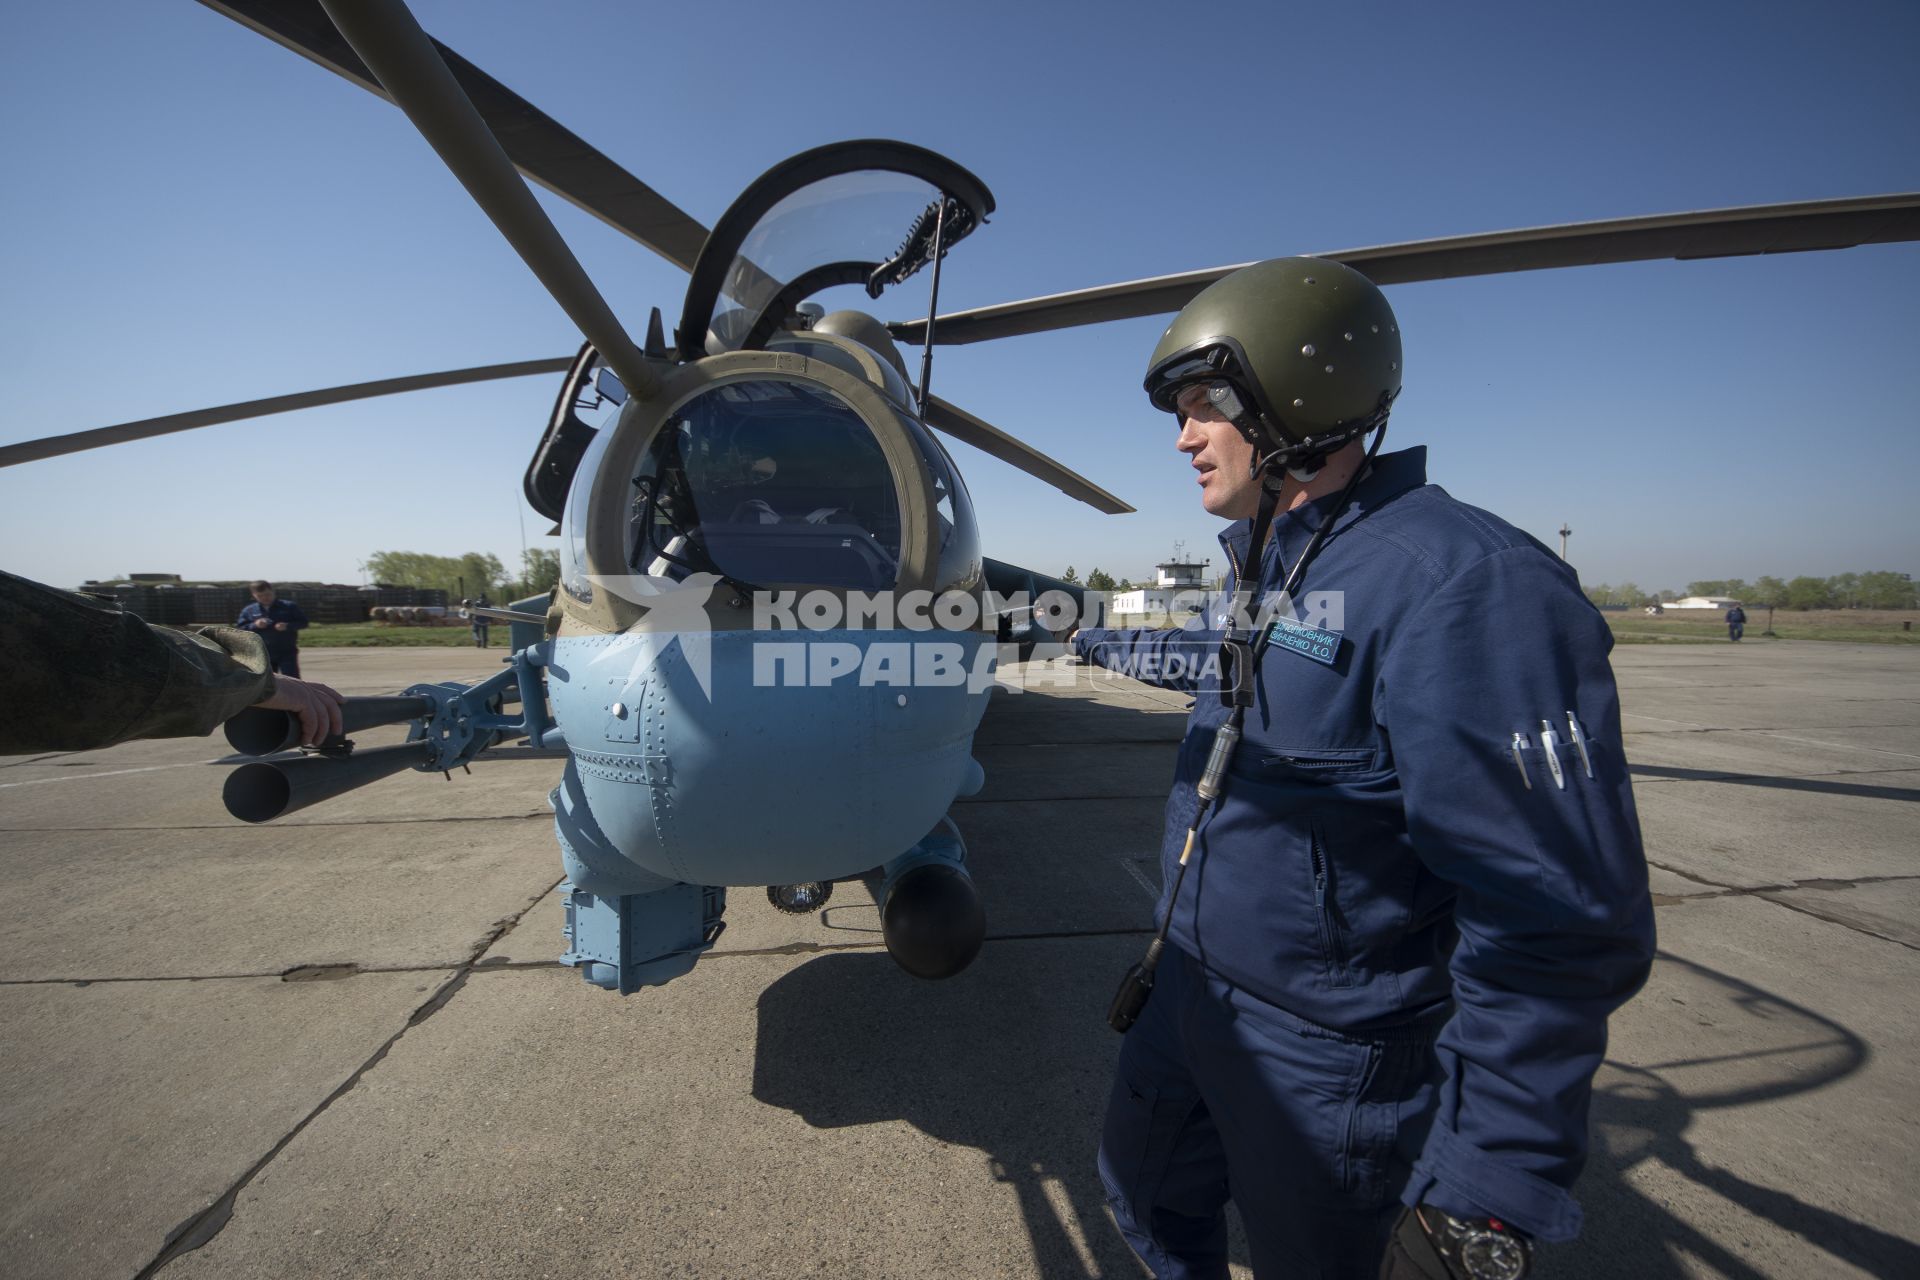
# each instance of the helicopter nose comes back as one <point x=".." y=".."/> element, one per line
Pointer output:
<point x="705" y="771"/>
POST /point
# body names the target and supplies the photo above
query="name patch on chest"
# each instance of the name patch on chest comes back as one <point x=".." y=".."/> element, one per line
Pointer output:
<point x="1309" y="642"/>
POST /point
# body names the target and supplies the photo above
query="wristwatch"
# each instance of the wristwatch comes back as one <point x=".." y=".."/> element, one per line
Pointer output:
<point x="1477" y="1248"/>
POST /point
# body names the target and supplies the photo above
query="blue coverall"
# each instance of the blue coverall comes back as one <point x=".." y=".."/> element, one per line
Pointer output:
<point x="1397" y="945"/>
<point x="283" y="647"/>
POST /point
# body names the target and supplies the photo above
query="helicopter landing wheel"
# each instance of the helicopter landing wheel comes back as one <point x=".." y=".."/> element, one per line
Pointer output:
<point x="800" y="899"/>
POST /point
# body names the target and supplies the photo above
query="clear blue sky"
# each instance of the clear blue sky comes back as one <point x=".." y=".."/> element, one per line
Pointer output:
<point x="194" y="215"/>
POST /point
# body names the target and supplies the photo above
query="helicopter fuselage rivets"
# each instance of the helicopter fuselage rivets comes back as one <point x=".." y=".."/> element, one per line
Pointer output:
<point x="1307" y="350"/>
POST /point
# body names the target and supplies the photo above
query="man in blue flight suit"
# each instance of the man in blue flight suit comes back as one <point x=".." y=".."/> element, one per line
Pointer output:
<point x="1420" y="891"/>
<point x="279" y="624"/>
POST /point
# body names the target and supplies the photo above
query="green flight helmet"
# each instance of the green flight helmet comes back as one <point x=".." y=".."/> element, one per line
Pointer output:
<point x="1301" y="354"/>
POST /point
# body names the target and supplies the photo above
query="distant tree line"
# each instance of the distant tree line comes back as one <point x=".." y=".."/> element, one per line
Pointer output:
<point x="1097" y="580"/>
<point x="466" y="575"/>
<point x="1883" y="589"/>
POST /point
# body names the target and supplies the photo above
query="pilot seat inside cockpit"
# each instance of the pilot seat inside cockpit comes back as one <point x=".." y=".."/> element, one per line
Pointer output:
<point x="766" y="483"/>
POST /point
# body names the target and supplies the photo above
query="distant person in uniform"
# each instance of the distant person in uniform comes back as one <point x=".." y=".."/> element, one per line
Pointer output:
<point x="1736" y="622"/>
<point x="81" y="674"/>
<point x="278" y="623"/>
<point x="480" y="622"/>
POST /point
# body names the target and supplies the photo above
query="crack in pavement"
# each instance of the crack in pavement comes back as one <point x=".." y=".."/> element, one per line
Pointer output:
<point x="1846" y="746"/>
<point x="1772" y="893"/>
<point x="1806" y="910"/>
<point x="1785" y="886"/>
<point x="293" y="974"/>
<point x="992" y="799"/>
<point x="542" y="814"/>
<point x="1766" y="728"/>
<point x="204" y="1226"/>
<point x="808" y="948"/>
<point x="39" y="759"/>
<point x="106" y="773"/>
<point x="1715" y="775"/>
<point x="988" y="747"/>
<point x="335" y="971"/>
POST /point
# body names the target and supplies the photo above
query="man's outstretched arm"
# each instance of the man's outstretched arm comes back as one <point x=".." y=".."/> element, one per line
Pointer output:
<point x="1171" y="659"/>
<point x="79" y="674"/>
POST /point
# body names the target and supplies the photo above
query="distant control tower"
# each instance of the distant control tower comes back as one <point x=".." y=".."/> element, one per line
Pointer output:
<point x="1179" y="587"/>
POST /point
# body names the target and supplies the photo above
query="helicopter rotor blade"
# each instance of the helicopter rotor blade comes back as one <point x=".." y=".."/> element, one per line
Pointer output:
<point x="100" y="437"/>
<point x="391" y="43"/>
<point x="542" y="149"/>
<point x="1711" y="233"/>
<point x="984" y="436"/>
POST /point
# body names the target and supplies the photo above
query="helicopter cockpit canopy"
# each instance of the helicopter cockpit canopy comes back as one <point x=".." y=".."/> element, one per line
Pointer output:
<point x="767" y="482"/>
<point x="854" y="213"/>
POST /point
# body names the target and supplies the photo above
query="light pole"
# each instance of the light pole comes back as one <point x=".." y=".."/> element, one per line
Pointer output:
<point x="1565" y="533"/>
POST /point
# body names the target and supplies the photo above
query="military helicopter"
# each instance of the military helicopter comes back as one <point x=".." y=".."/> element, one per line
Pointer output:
<point x="768" y="449"/>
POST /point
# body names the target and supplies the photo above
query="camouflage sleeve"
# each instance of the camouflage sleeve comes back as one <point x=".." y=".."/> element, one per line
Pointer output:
<point x="76" y="674"/>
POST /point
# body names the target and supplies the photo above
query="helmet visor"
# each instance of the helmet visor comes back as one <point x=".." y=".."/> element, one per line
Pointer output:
<point x="1219" y="369"/>
<point x="1165" y="383"/>
<point x="1212" y="398"/>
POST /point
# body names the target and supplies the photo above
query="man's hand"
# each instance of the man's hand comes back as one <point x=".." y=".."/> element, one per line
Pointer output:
<point x="261" y="624"/>
<point x="279" y="626"/>
<point x="317" y="706"/>
<point x="1410" y="1255"/>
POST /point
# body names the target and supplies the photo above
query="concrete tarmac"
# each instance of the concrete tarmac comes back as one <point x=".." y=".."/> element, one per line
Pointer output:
<point x="338" y="1045"/>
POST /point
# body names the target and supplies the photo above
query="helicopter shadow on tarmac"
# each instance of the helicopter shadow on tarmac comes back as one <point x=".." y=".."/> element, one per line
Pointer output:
<point x="1018" y="1075"/>
<point x="1012" y="1059"/>
<point x="1005" y="1071"/>
<point x="1644" y="1115"/>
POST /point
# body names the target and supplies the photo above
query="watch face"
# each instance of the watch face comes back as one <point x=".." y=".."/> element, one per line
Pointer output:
<point x="1493" y="1255"/>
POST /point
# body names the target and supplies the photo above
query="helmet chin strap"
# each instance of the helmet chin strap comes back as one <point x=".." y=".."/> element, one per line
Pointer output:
<point x="1297" y="462"/>
<point x="1306" y="459"/>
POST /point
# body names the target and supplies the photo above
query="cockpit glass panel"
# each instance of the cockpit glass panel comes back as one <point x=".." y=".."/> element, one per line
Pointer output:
<point x="849" y="218"/>
<point x="767" y="483"/>
<point x="959" y="563"/>
<point x="573" y="522"/>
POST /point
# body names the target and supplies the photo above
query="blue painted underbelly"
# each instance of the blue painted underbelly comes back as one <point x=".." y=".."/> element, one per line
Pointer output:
<point x="771" y="758"/>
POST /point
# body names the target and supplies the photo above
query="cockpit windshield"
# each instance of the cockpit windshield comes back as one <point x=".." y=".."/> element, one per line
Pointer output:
<point x="767" y="483"/>
<point x="856" y="213"/>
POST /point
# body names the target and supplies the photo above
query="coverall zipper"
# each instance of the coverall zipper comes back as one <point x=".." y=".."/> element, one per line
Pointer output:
<point x="1329" y="936"/>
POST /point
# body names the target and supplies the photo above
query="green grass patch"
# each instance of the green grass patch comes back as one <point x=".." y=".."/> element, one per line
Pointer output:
<point x="1852" y="635"/>
<point x="1647" y="637"/>
<point x="1852" y="626"/>
<point x="353" y="635"/>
